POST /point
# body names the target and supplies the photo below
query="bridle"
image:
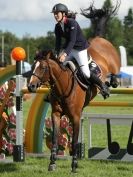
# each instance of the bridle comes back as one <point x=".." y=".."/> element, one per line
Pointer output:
<point x="53" y="81"/>
<point x="33" y="74"/>
<point x="46" y="70"/>
<point x="38" y="77"/>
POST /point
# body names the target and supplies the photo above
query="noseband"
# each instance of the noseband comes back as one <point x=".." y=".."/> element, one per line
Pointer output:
<point x="33" y="74"/>
<point x="45" y="71"/>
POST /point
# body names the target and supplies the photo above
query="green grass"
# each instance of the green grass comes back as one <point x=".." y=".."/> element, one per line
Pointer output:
<point x="37" y="167"/>
<point x="33" y="167"/>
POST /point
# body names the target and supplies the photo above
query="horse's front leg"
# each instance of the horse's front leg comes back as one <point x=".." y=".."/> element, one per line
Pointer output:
<point x="56" y="125"/>
<point x="74" y="164"/>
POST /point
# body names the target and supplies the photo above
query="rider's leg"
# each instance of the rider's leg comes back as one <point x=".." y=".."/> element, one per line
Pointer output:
<point x="82" y="60"/>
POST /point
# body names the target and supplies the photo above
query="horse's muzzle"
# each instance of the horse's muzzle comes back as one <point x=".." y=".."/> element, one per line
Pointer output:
<point x="32" y="88"/>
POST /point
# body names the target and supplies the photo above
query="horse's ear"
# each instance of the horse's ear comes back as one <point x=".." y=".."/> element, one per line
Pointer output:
<point x="50" y="55"/>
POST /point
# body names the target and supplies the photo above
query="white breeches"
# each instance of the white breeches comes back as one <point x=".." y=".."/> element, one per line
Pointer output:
<point x="82" y="59"/>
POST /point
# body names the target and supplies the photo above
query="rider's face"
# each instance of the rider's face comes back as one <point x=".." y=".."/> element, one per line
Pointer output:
<point x="58" y="16"/>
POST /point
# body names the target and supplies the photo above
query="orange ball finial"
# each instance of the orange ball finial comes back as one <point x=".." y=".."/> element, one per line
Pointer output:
<point x="18" y="54"/>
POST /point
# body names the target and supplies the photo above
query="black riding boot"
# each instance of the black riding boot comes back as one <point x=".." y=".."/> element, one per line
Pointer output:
<point x="104" y="90"/>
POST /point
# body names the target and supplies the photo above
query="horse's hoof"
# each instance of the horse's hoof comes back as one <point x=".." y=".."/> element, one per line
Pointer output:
<point x="115" y="84"/>
<point x="52" y="167"/>
<point x="74" y="165"/>
<point x="106" y="96"/>
<point x="74" y="170"/>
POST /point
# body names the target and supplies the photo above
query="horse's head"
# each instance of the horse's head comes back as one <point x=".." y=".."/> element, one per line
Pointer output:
<point x="40" y="71"/>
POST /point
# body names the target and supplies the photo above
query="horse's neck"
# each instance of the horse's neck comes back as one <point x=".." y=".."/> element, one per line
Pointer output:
<point x="60" y="77"/>
<point x="55" y="69"/>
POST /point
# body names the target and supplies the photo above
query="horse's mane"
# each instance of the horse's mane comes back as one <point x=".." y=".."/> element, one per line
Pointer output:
<point x="48" y="54"/>
<point x="44" y="54"/>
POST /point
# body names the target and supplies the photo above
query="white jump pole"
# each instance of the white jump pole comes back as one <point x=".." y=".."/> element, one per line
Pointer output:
<point x="18" y="54"/>
<point x="18" y="150"/>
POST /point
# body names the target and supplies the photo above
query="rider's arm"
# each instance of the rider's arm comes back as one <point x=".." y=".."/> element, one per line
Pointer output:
<point x="57" y="39"/>
<point x="72" y="38"/>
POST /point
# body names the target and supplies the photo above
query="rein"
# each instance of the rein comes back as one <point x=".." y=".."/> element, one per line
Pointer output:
<point x="55" y="83"/>
<point x="52" y="75"/>
<point x="56" y="87"/>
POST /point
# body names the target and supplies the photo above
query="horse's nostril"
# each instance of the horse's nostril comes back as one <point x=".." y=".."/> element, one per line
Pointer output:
<point x="31" y="88"/>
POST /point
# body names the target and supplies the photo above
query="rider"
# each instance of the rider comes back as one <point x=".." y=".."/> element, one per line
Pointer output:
<point x="75" y="45"/>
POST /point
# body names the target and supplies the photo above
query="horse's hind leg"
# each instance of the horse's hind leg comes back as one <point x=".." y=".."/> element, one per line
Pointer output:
<point x="55" y="124"/>
<point x="113" y="81"/>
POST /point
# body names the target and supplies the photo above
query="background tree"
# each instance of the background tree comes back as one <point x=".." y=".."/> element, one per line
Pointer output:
<point x="100" y="17"/>
<point x="117" y="32"/>
<point x="128" y="35"/>
<point x="47" y="42"/>
<point x="10" y="41"/>
<point x="114" y="30"/>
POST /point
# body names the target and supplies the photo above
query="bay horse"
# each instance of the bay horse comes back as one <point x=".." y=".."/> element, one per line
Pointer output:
<point x="67" y="95"/>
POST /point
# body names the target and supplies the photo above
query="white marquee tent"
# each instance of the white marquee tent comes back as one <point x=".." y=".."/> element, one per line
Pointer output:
<point x="128" y="70"/>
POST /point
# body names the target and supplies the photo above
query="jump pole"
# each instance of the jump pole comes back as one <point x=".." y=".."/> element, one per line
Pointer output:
<point x="112" y="90"/>
<point x="18" y="54"/>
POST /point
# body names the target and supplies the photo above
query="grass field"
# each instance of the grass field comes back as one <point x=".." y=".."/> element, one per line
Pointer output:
<point x="87" y="168"/>
<point x="37" y="167"/>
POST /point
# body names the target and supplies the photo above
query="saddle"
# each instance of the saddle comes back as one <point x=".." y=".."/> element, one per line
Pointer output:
<point x="81" y="78"/>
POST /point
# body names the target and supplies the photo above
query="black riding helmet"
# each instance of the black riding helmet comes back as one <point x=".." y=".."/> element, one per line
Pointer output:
<point x="60" y="8"/>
